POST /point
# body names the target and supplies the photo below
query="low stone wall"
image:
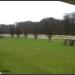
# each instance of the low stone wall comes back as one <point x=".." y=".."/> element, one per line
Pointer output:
<point x="69" y="41"/>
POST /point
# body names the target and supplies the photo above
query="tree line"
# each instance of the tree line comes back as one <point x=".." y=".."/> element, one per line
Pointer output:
<point x="48" y="26"/>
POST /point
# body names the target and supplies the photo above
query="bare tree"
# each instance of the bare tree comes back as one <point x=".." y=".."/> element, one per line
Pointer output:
<point x="35" y="29"/>
<point x="11" y="29"/>
<point x="48" y="27"/>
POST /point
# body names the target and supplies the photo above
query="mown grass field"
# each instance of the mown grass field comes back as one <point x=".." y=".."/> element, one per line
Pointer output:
<point x="22" y="56"/>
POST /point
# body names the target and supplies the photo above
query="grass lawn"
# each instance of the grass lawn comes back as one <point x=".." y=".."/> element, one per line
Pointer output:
<point x="21" y="56"/>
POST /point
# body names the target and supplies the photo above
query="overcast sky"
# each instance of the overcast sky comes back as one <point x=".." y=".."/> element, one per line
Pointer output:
<point x="15" y="11"/>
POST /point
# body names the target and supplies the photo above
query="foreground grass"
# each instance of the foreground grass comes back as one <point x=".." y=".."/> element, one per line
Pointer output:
<point x="21" y="56"/>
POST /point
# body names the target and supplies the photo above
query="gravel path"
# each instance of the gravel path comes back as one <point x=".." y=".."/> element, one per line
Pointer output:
<point x="42" y="36"/>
